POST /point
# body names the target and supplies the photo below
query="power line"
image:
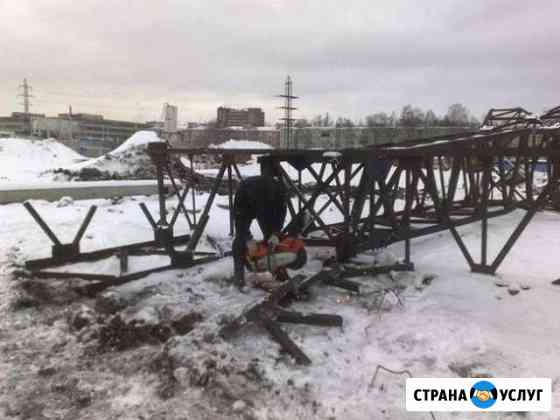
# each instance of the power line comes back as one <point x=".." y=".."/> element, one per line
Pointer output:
<point x="288" y="108"/>
<point x="26" y="96"/>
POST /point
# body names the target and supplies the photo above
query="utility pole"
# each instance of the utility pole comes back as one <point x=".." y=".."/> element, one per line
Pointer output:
<point x="288" y="120"/>
<point x="26" y="94"/>
<point x="70" y="124"/>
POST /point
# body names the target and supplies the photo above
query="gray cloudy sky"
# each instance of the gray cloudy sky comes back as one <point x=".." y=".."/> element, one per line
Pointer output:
<point x="348" y="58"/>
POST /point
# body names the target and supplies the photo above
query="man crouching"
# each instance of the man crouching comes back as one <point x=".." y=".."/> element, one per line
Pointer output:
<point x="263" y="198"/>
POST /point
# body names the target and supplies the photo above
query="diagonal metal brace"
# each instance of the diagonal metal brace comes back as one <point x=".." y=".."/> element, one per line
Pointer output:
<point x="60" y="250"/>
<point x="41" y="223"/>
<point x="163" y="233"/>
<point x="84" y="225"/>
<point x="148" y="215"/>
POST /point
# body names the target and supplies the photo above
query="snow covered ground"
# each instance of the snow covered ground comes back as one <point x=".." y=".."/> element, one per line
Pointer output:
<point x="33" y="161"/>
<point x="65" y="356"/>
<point x="125" y="159"/>
<point x="459" y="324"/>
<point x="23" y="160"/>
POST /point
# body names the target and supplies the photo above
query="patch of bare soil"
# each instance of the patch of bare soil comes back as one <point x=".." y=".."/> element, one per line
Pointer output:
<point x="66" y="356"/>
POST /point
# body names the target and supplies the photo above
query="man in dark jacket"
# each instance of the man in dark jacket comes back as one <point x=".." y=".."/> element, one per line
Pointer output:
<point x="263" y="198"/>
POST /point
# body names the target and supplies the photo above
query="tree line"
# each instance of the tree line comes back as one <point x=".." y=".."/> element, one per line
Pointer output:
<point x="410" y="116"/>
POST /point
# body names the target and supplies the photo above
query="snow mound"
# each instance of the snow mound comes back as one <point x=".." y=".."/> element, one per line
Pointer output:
<point x="241" y="144"/>
<point x="140" y="138"/>
<point x="128" y="160"/>
<point x="24" y="160"/>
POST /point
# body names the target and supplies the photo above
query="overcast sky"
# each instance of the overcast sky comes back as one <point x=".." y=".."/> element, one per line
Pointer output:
<point x="348" y="58"/>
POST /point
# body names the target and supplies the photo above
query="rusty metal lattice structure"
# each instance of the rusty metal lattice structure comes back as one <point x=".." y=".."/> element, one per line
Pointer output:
<point x="380" y="195"/>
<point x="393" y="193"/>
<point x="551" y="118"/>
<point x="383" y="194"/>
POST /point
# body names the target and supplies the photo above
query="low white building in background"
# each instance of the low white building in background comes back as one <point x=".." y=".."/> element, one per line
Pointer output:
<point x="61" y="129"/>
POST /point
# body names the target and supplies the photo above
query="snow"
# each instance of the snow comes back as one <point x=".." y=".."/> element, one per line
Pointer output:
<point x="332" y="155"/>
<point x="126" y="158"/>
<point x="241" y="144"/>
<point x="140" y="138"/>
<point x="23" y="160"/>
<point x="456" y="320"/>
<point x="12" y="186"/>
<point x="460" y="320"/>
<point x="32" y="161"/>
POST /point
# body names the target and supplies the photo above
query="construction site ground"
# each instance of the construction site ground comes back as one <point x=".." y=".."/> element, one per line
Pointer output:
<point x="150" y="350"/>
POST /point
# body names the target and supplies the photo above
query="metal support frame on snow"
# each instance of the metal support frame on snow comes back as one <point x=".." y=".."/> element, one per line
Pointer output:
<point x="383" y="194"/>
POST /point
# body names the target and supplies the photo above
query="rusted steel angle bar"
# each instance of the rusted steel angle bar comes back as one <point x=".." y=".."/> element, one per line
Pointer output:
<point x="94" y="255"/>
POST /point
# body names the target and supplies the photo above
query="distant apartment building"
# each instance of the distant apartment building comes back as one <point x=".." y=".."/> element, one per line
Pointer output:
<point x="169" y="122"/>
<point x="65" y="131"/>
<point x="89" y="134"/>
<point x="230" y="117"/>
<point x="17" y="124"/>
<point x="170" y="118"/>
<point x="97" y="135"/>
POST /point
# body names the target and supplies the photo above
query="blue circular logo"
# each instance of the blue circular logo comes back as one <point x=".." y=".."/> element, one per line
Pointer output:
<point x="483" y="394"/>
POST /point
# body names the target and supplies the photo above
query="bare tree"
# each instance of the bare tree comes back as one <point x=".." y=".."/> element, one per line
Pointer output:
<point x="379" y="119"/>
<point x="302" y="123"/>
<point x="411" y="116"/>
<point x="322" y="121"/>
<point x="458" y="115"/>
<point x="431" y="119"/>
<point x="393" y="119"/>
<point x="327" y="121"/>
<point x="344" y="123"/>
<point x="316" y="121"/>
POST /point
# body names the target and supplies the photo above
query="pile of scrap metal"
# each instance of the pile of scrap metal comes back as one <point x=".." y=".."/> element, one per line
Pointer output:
<point x="271" y="311"/>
